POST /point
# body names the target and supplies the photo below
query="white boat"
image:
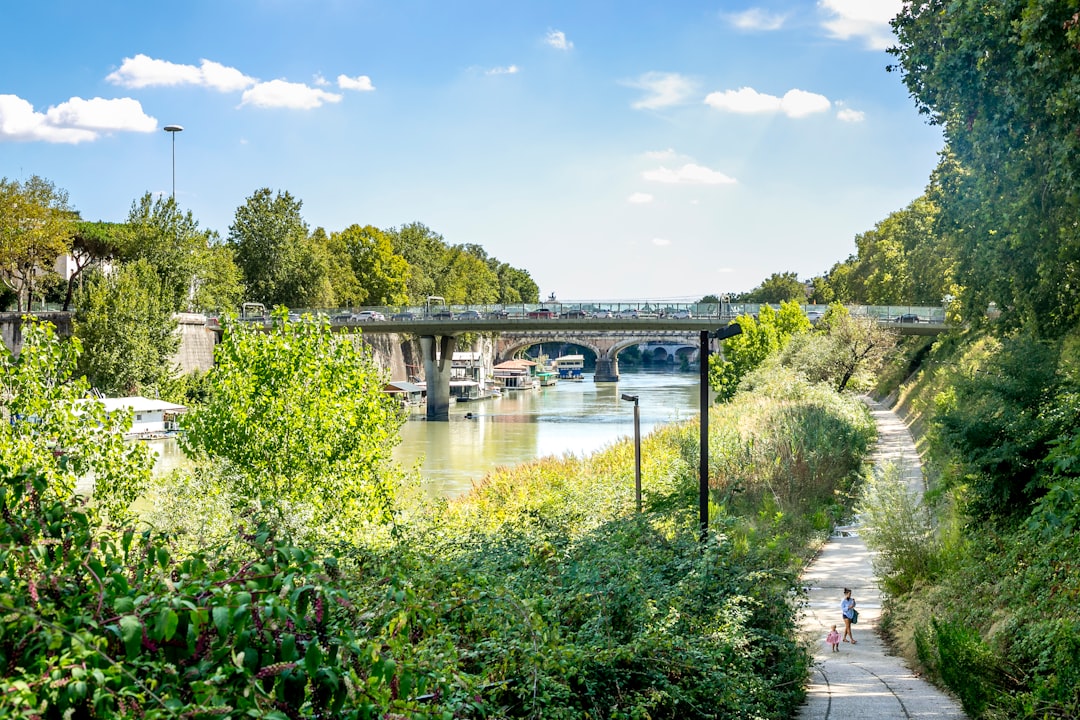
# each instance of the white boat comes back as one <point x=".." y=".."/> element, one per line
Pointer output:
<point x="570" y="367"/>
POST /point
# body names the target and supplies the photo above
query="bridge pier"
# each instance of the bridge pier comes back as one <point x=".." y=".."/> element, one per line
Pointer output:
<point x="437" y="363"/>
<point x="607" y="369"/>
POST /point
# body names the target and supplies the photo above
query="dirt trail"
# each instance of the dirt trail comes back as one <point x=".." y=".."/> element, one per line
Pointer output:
<point x="863" y="680"/>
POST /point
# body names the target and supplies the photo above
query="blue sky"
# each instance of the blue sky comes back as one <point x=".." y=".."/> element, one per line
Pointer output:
<point x="617" y="150"/>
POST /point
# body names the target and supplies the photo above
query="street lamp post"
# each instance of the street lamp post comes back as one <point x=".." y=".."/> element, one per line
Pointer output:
<point x="172" y="130"/>
<point x="703" y="466"/>
<point x="637" y="447"/>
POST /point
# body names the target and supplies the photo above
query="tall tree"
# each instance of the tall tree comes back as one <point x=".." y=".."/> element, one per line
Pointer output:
<point x="127" y="331"/>
<point x="94" y="243"/>
<point x="36" y="227"/>
<point x="171" y="242"/>
<point x="280" y="263"/>
<point x="299" y="417"/>
<point x="1003" y="81"/>
<point x="381" y="274"/>
<point x="423" y="248"/>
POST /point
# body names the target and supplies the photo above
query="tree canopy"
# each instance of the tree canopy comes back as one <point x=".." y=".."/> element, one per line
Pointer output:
<point x="36" y="228"/>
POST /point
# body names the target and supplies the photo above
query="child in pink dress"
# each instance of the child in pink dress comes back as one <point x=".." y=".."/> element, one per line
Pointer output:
<point x="833" y="638"/>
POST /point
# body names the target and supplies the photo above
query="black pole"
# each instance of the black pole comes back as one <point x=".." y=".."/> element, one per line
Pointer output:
<point x="703" y="464"/>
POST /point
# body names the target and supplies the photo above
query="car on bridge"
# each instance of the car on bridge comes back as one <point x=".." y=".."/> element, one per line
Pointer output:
<point x="442" y="315"/>
<point x="575" y="314"/>
<point x="469" y="315"/>
<point x="909" y="319"/>
<point x="541" y="314"/>
<point x="603" y="314"/>
<point x="404" y="316"/>
<point x="498" y="315"/>
<point x="682" y="315"/>
<point x="628" y="314"/>
<point x="366" y="315"/>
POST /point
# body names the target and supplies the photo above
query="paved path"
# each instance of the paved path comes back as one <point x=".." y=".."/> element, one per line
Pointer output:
<point x="863" y="680"/>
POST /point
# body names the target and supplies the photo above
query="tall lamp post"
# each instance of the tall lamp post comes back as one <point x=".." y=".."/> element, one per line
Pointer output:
<point x="637" y="447"/>
<point x="172" y="130"/>
<point x="703" y="466"/>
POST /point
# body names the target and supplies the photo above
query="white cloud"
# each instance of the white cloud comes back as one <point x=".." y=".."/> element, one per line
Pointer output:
<point x="756" y="19"/>
<point x="864" y="19"/>
<point x="661" y="154"/>
<point x="639" y="198"/>
<point x="74" y="121"/>
<point x="661" y="242"/>
<point x="509" y="70"/>
<point x="557" y="39"/>
<point x="360" y="82"/>
<point x="142" y="71"/>
<point x="284" y="94"/>
<point x="849" y="115"/>
<point x="663" y="89"/>
<point x="747" y="101"/>
<point x="320" y="80"/>
<point x="688" y="174"/>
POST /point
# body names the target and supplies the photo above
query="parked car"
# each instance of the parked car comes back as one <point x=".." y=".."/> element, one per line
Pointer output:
<point x="469" y="315"/>
<point x="629" y="313"/>
<point x="498" y="314"/>
<point x="576" y="313"/>
<point x="442" y="315"/>
<point x="541" y="314"/>
<point x="366" y="315"/>
<point x="342" y="317"/>
<point x="406" y="316"/>
<point x="682" y="315"/>
<point x="602" y="314"/>
<point x="908" y="319"/>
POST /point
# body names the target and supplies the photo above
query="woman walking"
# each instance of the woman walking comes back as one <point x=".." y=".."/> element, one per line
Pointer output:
<point x="847" y="609"/>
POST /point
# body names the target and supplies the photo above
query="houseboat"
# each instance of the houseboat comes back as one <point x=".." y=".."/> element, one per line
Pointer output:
<point x="467" y="381"/>
<point x="516" y="375"/>
<point x="410" y="394"/>
<point x="150" y="417"/>
<point x="570" y="367"/>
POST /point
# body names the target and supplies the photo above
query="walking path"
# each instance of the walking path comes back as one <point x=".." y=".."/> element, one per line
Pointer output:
<point x="863" y="680"/>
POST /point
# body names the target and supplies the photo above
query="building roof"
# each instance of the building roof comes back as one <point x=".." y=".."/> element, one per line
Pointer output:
<point x="403" y="386"/>
<point x="137" y="403"/>
<point x="515" y="364"/>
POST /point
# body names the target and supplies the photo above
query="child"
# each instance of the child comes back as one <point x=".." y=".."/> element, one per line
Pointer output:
<point x="833" y="639"/>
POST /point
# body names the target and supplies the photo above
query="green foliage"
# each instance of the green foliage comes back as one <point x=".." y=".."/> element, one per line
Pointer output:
<point x="36" y="226"/>
<point x="381" y="274"/>
<point x="101" y="625"/>
<point x="1002" y="80"/>
<point x="49" y="423"/>
<point x="777" y="288"/>
<point x="760" y="337"/>
<point x="281" y="265"/>
<point x="897" y="527"/>
<point x="127" y="331"/>
<point x="999" y="420"/>
<point x="297" y="416"/>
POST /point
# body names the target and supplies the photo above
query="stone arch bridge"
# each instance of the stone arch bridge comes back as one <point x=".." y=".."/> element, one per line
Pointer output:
<point x="605" y="344"/>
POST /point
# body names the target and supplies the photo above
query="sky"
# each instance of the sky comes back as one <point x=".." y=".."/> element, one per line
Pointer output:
<point x="631" y="150"/>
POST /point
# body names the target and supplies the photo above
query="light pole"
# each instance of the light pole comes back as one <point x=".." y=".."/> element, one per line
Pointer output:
<point x="172" y="130"/>
<point x="703" y="466"/>
<point x="637" y="448"/>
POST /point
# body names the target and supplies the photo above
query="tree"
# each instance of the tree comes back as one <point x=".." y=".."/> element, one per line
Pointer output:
<point x="218" y="285"/>
<point x="515" y="285"/>
<point x="298" y="421"/>
<point x="777" y="288"/>
<point x="423" y="249"/>
<point x="49" y="423"/>
<point x="280" y="263"/>
<point x="346" y="288"/>
<point x="36" y="227"/>
<point x="127" y="331"/>
<point x="1003" y="81"/>
<point x="381" y="274"/>
<point x="841" y="348"/>
<point x="93" y="243"/>
<point x="760" y="338"/>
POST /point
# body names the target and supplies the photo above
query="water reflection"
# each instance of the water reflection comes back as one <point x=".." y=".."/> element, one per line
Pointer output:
<point x="570" y="417"/>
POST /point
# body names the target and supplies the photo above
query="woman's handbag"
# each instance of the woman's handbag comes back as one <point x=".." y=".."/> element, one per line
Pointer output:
<point x="854" y="616"/>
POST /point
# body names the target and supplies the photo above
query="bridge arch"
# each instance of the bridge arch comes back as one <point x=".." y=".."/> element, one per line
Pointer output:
<point x="512" y="346"/>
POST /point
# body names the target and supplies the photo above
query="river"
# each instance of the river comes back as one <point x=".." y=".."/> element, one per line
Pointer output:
<point x="578" y="417"/>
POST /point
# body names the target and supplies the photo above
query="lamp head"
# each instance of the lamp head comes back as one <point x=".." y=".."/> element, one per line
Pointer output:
<point x="173" y="128"/>
<point x="631" y="398"/>
<point x="726" y="332"/>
